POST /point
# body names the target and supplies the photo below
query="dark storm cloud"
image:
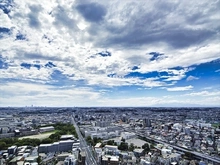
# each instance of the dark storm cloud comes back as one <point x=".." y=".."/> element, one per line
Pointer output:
<point x="155" y="26"/>
<point x="38" y="56"/>
<point x="92" y="12"/>
<point x="33" y="16"/>
<point x="175" y="36"/>
<point x="137" y="60"/>
<point x="61" y="18"/>
<point x="34" y="56"/>
<point x="179" y="38"/>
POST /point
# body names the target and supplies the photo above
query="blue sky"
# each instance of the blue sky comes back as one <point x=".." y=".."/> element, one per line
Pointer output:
<point x="109" y="53"/>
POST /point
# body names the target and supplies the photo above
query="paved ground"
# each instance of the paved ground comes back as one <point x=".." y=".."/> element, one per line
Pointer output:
<point x="136" y="142"/>
<point x="39" y="136"/>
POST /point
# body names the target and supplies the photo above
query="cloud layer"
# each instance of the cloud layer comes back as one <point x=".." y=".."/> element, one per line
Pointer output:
<point x="112" y="52"/>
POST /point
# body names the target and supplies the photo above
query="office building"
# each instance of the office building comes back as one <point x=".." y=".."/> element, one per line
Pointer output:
<point x="46" y="129"/>
<point x="146" y="122"/>
<point x="62" y="146"/>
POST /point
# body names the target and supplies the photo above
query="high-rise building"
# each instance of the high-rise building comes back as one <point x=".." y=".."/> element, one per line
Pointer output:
<point x="146" y="122"/>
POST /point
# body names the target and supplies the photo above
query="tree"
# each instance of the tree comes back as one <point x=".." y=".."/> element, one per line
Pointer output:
<point x="28" y="141"/>
<point x="131" y="147"/>
<point x="123" y="146"/>
<point x="55" y="136"/>
<point x="39" y="160"/>
<point x="89" y="140"/>
<point x="110" y="142"/>
<point x="188" y="154"/>
<point x="46" y="141"/>
<point x="96" y="140"/>
<point x="2" y="145"/>
<point x="146" y="147"/>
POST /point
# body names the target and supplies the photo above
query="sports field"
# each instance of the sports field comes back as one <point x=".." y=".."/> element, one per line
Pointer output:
<point x="39" y="136"/>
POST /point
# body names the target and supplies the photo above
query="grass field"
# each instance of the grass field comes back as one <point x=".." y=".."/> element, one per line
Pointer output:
<point x="39" y="136"/>
<point x="216" y="125"/>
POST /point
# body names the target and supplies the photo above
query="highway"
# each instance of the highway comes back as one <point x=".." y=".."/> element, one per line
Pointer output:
<point x="90" y="160"/>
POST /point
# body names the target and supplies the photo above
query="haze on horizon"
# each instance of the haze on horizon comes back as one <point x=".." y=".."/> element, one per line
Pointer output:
<point x="109" y="53"/>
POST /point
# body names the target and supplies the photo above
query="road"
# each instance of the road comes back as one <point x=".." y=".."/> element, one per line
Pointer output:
<point x="90" y="160"/>
<point x="203" y="156"/>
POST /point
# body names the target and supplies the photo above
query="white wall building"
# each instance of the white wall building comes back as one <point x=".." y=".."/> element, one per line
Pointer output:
<point x="127" y="135"/>
<point x="111" y="150"/>
<point x="46" y="129"/>
<point x="62" y="146"/>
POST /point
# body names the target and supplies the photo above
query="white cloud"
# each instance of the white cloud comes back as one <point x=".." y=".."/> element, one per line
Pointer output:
<point x="33" y="94"/>
<point x="185" y="88"/>
<point x="190" y="78"/>
<point x="5" y="20"/>
<point x="204" y="93"/>
<point x="27" y="93"/>
<point x="208" y="88"/>
<point x="160" y="101"/>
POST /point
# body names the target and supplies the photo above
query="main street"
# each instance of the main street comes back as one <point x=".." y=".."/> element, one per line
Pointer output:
<point x="90" y="160"/>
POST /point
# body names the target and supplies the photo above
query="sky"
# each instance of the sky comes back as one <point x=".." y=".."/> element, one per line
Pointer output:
<point x="109" y="53"/>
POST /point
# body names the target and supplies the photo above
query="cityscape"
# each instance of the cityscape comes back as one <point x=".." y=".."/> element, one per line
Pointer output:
<point x="109" y="136"/>
<point x="109" y="82"/>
